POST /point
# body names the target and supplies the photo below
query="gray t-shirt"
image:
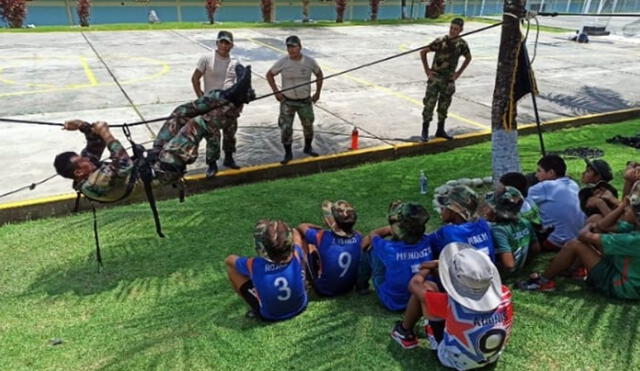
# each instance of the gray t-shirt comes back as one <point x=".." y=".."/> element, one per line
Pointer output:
<point x="219" y="73"/>
<point x="295" y="73"/>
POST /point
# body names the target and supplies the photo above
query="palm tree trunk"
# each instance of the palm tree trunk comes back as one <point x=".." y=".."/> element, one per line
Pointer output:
<point x="504" y="136"/>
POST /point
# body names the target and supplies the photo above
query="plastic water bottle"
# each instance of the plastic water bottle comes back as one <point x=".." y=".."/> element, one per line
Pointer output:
<point x="424" y="183"/>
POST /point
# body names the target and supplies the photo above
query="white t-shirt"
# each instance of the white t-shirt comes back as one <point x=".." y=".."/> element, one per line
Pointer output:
<point x="219" y="73"/>
<point x="296" y="73"/>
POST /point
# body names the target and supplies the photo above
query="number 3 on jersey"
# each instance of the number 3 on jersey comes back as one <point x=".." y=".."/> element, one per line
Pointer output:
<point x="282" y="285"/>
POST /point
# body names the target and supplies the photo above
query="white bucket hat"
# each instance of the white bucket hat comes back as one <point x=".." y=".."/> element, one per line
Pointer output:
<point x="470" y="277"/>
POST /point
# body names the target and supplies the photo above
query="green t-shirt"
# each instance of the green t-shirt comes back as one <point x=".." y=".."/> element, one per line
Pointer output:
<point x="623" y="251"/>
<point x="516" y="238"/>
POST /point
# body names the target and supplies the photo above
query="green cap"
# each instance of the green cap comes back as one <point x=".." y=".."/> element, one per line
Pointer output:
<point x="506" y="202"/>
<point x="407" y="220"/>
<point x="273" y="240"/>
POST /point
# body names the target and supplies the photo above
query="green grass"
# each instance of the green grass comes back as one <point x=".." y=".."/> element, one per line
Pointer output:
<point x="166" y="303"/>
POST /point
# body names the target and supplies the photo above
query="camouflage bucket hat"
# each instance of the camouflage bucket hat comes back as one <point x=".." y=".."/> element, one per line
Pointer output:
<point x="273" y="240"/>
<point x="407" y="220"/>
<point x="460" y="199"/>
<point x="337" y="214"/>
<point x="634" y="199"/>
<point x="506" y="202"/>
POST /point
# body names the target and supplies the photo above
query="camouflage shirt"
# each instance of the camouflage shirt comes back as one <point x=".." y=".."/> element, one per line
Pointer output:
<point x="110" y="180"/>
<point x="447" y="55"/>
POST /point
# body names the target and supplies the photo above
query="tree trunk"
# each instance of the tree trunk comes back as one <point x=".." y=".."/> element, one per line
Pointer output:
<point x="305" y="10"/>
<point x="374" y="10"/>
<point x="341" y="5"/>
<point x="504" y="136"/>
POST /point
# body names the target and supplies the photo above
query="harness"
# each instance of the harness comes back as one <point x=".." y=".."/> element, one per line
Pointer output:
<point x="141" y="170"/>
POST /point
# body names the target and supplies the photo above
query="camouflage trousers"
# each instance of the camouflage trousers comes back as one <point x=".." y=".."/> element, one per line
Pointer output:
<point x="288" y="109"/>
<point x="203" y="105"/>
<point x="441" y="92"/>
<point x="182" y="148"/>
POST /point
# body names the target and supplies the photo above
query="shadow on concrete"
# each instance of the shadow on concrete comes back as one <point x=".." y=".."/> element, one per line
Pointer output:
<point x="590" y="99"/>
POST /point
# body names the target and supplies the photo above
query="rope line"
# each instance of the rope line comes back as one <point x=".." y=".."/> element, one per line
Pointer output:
<point x="556" y="14"/>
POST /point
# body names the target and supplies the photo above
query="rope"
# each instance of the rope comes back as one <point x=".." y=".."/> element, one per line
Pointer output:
<point x="282" y="90"/>
<point x="556" y="14"/>
<point x="30" y="187"/>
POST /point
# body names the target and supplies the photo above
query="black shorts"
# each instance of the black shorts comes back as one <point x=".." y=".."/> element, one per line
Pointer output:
<point x="248" y="293"/>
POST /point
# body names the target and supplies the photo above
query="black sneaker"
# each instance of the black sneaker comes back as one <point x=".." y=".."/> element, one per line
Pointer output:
<point x="406" y="338"/>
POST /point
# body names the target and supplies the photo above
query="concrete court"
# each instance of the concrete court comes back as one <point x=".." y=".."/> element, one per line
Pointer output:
<point x="57" y="76"/>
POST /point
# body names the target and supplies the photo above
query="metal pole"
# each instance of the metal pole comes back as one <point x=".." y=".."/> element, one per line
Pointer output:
<point x="482" y="8"/>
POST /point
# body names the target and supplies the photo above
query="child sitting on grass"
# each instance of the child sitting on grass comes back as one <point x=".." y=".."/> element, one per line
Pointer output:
<point x="333" y="254"/>
<point x="392" y="262"/>
<point x="470" y="324"/>
<point x="273" y="282"/>
<point x="513" y="236"/>
<point x="612" y="259"/>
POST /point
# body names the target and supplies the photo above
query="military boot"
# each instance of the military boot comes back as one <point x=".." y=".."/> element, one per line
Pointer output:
<point x="440" y="133"/>
<point x="425" y="132"/>
<point x="288" y="155"/>
<point x="240" y="92"/>
<point x="307" y="147"/>
<point x="212" y="170"/>
<point x="229" y="161"/>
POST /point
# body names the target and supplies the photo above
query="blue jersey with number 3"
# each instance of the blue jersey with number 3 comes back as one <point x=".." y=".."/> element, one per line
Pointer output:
<point x="279" y="288"/>
<point x="339" y="258"/>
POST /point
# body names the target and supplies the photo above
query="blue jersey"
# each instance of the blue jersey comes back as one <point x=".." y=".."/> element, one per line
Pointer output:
<point x="339" y="258"/>
<point x="476" y="234"/>
<point x="397" y="263"/>
<point x="280" y="288"/>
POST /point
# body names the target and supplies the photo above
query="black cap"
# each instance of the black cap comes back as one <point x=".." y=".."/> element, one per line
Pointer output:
<point x="226" y="36"/>
<point x="293" y="40"/>
<point x="602" y="168"/>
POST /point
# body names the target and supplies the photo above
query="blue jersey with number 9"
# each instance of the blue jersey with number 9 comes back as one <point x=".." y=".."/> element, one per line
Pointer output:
<point x="338" y="261"/>
<point x="280" y="288"/>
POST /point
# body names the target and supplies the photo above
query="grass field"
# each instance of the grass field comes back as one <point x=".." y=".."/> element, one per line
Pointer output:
<point x="166" y="303"/>
<point x="232" y="25"/>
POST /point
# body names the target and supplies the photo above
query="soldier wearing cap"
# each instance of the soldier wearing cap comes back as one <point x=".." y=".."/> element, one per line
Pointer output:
<point x="458" y="211"/>
<point x="272" y="283"/>
<point x="295" y="69"/>
<point x="612" y="259"/>
<point x="334" y="253"/>
<point x="217" y="69"/>
<point x="390" y="263"/>
<point x="442" y="75"/>
<point x="513" y="236"/>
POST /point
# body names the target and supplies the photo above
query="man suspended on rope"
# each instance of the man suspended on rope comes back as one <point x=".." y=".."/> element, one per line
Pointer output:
<point x="442" y="76"/>
<point x="175" y="146"/>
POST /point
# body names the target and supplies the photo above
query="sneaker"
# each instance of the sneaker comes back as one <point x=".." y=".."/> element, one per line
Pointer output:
<point x="406" y="338"/>
<point x="579" y="274"/>
<point x="535" y="283"/>
<point x="432" y="343"/>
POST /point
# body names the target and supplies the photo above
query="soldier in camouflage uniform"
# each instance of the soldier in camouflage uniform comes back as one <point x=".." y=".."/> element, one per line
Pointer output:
<point x="103" y="181"/>
<point x="222" y="108"/>
<point x="442" y="76"/>
<point x="295" y="69"/>
<point x="175" y="147"/>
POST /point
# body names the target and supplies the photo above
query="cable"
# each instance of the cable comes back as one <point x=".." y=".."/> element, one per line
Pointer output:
<point x="556" y="14"/>
<point x="30" y="187"/>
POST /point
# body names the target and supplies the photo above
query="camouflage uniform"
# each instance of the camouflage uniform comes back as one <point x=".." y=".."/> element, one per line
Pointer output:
<point x="110" y="180"/>
<point x="179" y="140"/>
<point x="288" y="109"/>
<point x="440" y="89"/>
<point x="227" y="118"/>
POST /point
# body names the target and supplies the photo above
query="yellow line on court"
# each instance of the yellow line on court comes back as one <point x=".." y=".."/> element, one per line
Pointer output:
<point x="381" y="88"/>
<point x="87" y="71"/>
